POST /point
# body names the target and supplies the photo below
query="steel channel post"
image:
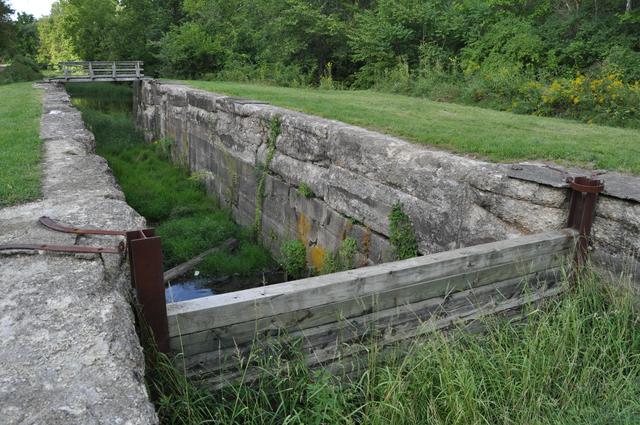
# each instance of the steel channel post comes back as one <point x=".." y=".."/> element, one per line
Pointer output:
<point x="145" y="258"/>
<point x="584" y="195"/>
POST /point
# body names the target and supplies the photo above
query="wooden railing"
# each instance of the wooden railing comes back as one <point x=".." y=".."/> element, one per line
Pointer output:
<point x="101" y="71"/>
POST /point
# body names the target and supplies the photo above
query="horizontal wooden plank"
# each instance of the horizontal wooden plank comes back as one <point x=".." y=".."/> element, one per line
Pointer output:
<point x="389" y="320"/>
<point x="239" y="333"/>
<point x="252" y="304"/>
<point x="90" y="80"/>
<point x="86" y="63"/>
<point x="324" y="357"/>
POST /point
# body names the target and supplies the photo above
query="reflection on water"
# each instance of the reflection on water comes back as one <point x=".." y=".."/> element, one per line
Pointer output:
<point x="184" y="289"/>
<point x="188" y="290"/>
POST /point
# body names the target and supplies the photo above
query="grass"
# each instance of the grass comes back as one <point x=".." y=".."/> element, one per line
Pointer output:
<point x="576" y="360"/>
<point x="485" y="133"/>
<point x="188" y="220"/>
<point x="20" y="145"/>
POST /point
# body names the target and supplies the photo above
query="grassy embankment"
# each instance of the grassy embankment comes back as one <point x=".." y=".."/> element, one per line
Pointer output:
<point x="494" y="135"/>
<point x="188" y="220"/>
<point x="20" y="145"/>
<point x="576" y="360"/>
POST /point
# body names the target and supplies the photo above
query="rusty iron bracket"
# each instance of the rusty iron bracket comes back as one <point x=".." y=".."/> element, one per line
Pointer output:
<point x="145" y="259"/>
<point x="147" y="277"/>
<point x="54" y="225"/>
<point x="584" y="195"/>
<point x="75" y="249"/>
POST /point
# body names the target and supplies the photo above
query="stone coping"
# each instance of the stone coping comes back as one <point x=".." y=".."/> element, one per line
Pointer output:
<point x="70" y="352"/>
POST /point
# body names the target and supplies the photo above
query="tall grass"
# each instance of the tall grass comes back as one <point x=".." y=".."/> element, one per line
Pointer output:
<point x="575" y="360"/>
<point x="188" y="220"/>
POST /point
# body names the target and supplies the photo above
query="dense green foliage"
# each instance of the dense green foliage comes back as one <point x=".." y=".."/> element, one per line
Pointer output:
<point x="343" y="259"/>
<point x="20" y="145"/>
<point x="18" y="46"/>
<point x="106" y="30"/>
<point x="401" y="233"/>
<point x="188" y="220"/>
<point x="510" y="54"/>
<point x="576" y="360"/>
<point x="495" y="135"/>
<point x="293" y="259"/>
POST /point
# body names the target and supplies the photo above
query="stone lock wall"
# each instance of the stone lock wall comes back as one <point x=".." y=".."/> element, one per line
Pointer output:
<point x="356" y="175"/>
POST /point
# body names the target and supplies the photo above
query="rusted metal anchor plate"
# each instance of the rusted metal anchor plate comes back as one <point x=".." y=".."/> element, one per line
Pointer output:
<point x="74" y="249"/>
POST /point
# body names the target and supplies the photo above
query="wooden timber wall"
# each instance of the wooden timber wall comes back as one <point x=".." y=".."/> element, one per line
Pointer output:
<point x="393" y="301"/>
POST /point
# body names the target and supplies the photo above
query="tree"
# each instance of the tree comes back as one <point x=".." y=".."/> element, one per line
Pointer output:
<point x="6" y="29"/>
<point x="55" y="45"/>
<point x="26" y="36"/>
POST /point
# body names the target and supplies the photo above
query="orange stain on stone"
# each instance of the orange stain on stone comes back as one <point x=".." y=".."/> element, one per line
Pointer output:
<point x="304" y="227"/>
<point x="316" y="255"/>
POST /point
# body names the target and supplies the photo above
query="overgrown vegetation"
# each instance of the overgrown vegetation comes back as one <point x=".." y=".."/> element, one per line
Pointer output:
<point x="484" y="52"/>
<point x="188" y="220"/>
<point x="494" y="135"/>
<point x="401" y="233"/>
<point x="305" y="191"/>
<point x="20" y="145"/>
<point x="293" y="259"/>
<point x="343" y="259"/>
<point x="575" y="360"/>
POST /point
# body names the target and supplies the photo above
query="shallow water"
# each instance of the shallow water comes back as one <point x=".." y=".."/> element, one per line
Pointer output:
<point x="189" y="288"/>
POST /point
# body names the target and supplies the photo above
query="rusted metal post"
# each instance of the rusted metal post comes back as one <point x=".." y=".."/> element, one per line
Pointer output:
<point x="145" y="258"/>
<point x="584" y="195"/>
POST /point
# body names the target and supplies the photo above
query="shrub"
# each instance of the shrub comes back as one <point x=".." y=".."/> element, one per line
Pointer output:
<point x="605" y="99"/>
<point x="293" y="259"/>
<point x="344" y="259"/>
<point x="402" y="234"/>
<point x="21" y="69"/>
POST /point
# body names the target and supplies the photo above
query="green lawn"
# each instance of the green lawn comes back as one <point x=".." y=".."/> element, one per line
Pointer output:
<point x="493" y="135"/>
<point x="20" y="145"/>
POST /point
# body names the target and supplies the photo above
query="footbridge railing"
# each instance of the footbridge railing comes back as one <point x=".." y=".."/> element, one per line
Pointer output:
<point x="100" y="71"/>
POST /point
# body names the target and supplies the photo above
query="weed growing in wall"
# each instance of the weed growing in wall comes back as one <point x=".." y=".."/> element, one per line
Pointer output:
<point x="275" y="128"/>
<point x="306" y="191"/>
<point x="293" y="259"/>
<point x="344" y="258"/>
<point x="403" y="236"/>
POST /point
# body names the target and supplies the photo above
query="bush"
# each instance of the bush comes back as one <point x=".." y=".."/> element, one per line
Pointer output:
<point x="21" y="69"/>
<point x="604" y="100"/>
<point x="293" y="259"/>
<point x="344" y="259"/>
<point x="402" y="235"/>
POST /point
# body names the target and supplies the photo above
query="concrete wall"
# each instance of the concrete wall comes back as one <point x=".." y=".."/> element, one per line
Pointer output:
<point x="69" y="352"/>
<point x="357" y="175"/>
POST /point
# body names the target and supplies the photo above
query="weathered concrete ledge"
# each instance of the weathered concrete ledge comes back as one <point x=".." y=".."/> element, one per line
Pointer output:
<point x="69" y="352"/>
<point x="356" y="175"/>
